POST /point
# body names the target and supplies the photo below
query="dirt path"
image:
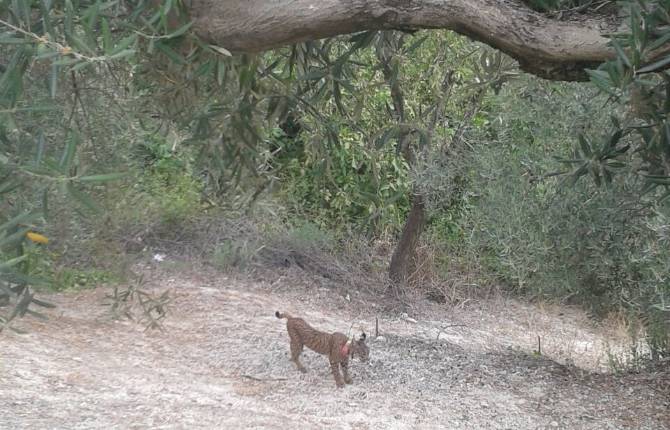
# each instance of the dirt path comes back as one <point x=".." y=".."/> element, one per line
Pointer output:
<point x="223" y="363"/>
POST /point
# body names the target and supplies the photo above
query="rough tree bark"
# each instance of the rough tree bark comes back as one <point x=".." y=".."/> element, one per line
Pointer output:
<point x="551" y="48"/>
<point x="405" y="249"/>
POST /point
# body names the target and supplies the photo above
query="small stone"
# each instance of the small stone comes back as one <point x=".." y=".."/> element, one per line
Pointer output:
<point x="380" y="339"/>
<point x="553" y="424"/>
<point x="410" y="320"/>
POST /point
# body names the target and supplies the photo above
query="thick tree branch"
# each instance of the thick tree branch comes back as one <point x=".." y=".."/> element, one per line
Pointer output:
<point x="549" y="48"/>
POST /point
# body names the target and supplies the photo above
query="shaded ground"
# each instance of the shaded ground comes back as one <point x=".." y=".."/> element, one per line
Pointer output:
<point x="223" y="363"/>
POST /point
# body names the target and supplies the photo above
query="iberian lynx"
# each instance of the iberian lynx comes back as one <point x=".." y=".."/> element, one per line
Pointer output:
<point x="335" y="345"/>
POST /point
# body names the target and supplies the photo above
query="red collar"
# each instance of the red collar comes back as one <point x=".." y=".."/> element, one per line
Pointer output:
<point x="344" y="350"/>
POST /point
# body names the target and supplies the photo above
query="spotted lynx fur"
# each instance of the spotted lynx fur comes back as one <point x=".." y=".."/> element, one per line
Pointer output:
<point x="335" y="345"/>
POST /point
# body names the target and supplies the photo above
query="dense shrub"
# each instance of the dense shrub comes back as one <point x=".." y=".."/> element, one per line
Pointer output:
<point x="601" y="247"/>
<point x="352" y="184"/>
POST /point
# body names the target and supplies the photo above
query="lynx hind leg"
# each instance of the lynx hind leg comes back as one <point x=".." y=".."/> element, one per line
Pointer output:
<point x="345" y="372"/>
<point x="296" y="350"/>
<point x="335" y="368"/>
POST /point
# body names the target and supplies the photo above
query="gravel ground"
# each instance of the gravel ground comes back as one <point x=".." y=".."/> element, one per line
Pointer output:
<point x="222" y="362"/>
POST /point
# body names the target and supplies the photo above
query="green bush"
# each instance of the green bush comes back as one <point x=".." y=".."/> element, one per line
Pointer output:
<point x="578" y="246"/>
<point x="605" y="248"/>
<point x="66" y="278"/>
<point x="352" y="185"/>
<point x="170" y="198"/>
<point x="45" y="264"/>
<point x="161" y="191"/>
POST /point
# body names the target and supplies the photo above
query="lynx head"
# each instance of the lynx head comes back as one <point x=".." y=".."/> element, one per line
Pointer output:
<point x="360" y="348"/>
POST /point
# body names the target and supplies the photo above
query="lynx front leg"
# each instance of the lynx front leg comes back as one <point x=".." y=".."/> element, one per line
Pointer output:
<point x="296" y="350"/>
<point x="345" y="371"/>
<point x="335" y="368"/>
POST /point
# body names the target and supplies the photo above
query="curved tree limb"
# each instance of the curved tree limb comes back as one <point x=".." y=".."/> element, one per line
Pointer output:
<point x="546" y="47"/>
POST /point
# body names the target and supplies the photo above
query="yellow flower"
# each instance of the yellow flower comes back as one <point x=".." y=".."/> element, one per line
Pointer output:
<point x="37" y="238"/>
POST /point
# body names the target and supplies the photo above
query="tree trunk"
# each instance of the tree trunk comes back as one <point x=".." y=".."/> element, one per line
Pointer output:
<point x="405" y="251"/>
<point x="403" y="256"/>
<point x="549" y="47"/>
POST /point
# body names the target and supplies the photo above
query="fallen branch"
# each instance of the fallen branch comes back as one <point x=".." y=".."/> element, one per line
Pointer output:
<point x="255" y="378"/>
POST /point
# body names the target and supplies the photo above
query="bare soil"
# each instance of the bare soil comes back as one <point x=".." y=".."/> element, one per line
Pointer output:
<point x="222" y="362"/>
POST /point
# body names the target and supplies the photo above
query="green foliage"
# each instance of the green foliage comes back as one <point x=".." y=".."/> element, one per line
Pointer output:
<point x="15" y="277"/>
<point x="163" y="195"/>
<point x="635" y="142"/>
<point x="169" y="198"/>
<point x="154" y="153"/>
<point x="580" y="242"/>
<point x="629" y="160"/>
<point x="354" y="164"/>
<point x="77" y="279"/>
<point x="44" y="264"/>
<point x="354" y="184"/>
<point x="49" y="51"/>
